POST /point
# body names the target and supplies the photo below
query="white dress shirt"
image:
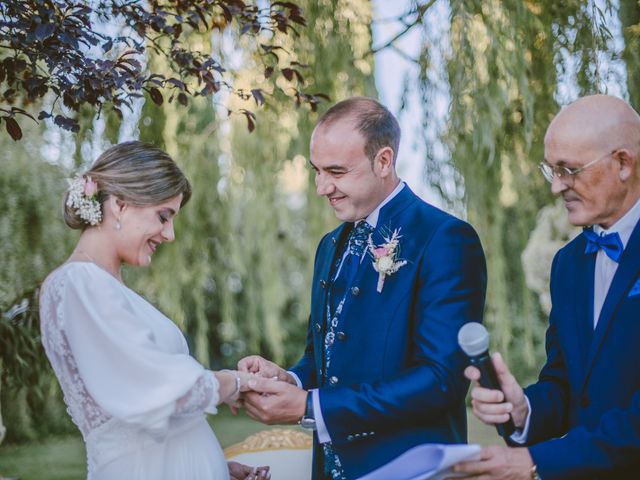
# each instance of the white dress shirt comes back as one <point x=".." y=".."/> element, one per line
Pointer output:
<point x="604" y="273"/>
<point x="372" y="219"/>
<point x="605" y="267"/>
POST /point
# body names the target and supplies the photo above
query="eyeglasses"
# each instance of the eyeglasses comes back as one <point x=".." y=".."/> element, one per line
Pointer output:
<point x="565" y="174"/>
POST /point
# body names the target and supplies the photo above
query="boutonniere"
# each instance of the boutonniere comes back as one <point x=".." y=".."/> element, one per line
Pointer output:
<point x="385" y="257"/>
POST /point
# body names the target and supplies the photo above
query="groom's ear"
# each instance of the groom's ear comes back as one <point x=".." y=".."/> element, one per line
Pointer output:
<point x="383" y="164"/>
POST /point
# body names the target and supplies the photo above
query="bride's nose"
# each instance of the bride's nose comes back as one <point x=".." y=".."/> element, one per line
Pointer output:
<point x="168" y="233"/>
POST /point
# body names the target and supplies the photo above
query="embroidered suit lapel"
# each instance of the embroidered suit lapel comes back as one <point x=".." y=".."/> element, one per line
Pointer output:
<point x="325" y="274"/>
<point x="626" y="273"/>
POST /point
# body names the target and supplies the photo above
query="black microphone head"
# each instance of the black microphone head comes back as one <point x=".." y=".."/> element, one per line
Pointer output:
<point x="473" y="339"/>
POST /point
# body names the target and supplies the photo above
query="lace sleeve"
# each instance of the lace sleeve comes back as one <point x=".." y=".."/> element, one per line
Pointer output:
<point x="204" y="395"/>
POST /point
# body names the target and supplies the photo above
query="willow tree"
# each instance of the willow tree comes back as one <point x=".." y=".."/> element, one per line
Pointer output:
<point x="240" y="270"/>
<point x="33" y="240"/>
<point x="629" y="14"/>
<point x="59" y="60"/>
<point x="280" y="219"/>
<point x="506" y="65"/>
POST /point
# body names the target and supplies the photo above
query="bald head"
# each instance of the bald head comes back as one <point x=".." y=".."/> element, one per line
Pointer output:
<point x="597" y="140"/>
<point x="597" y="123"/>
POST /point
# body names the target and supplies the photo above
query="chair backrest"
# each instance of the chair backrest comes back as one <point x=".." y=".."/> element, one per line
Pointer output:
<point x="287" y="452"/>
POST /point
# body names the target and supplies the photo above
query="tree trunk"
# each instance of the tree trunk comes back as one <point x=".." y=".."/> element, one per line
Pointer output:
<point x="3" y="430"/>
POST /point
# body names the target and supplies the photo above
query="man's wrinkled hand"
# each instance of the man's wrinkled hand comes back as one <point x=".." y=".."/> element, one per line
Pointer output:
<point x="273" y="402"/>
<point x="494" y="406"/>
<point x="498" y="463"/>
<point x="264" y="368"/>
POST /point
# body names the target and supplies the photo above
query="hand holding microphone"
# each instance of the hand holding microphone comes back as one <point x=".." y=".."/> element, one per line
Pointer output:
<point x="498" y="400"/>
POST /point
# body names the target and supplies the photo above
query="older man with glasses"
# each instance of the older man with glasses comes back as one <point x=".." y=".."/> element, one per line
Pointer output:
<point x="581" y="420"/>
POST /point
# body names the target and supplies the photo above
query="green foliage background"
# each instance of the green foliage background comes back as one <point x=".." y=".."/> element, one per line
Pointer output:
<point x="237" y="278"/>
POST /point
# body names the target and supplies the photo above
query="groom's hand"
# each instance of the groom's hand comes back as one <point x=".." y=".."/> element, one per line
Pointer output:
<point x="264" y="368"/>
<point x="273" y="402"/>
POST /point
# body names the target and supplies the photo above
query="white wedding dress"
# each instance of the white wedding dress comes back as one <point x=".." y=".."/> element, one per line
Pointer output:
<point x="128" y="380"/>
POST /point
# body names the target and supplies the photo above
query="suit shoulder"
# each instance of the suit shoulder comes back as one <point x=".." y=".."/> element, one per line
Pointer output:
<point x="433" y="220"/>
<point x="575" y="245"/>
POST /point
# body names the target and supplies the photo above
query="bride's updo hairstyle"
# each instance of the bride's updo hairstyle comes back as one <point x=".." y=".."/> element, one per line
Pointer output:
<point x="138" y="173"/>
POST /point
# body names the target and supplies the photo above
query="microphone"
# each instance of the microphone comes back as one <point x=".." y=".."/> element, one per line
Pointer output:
<point x="473" y="339"/>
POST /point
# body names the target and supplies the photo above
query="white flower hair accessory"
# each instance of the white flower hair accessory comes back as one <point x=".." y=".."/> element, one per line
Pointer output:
<point x="385" y="257"/>
<point x="83" y="198"/>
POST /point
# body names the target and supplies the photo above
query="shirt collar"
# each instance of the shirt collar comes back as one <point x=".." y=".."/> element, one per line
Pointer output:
<point x="372" y="218"/>
<point x="624" y="226"/>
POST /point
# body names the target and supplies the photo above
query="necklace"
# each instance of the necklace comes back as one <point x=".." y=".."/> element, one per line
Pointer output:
<point x="99" y="265"/>
<point x="89" y="257"/>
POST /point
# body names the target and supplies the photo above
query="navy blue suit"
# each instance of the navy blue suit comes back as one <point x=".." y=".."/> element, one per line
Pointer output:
<point x="396" y="373"/>
<point x="587" y="399"/>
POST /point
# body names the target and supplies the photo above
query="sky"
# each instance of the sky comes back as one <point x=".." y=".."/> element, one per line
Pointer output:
<point x="390" y="72"/>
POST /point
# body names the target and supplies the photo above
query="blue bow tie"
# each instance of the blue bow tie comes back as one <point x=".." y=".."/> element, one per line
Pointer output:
<point x="610" y="243"/>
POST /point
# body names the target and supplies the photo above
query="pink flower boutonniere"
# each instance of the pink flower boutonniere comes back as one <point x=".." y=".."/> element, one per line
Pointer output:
<point x="385" y="257"/>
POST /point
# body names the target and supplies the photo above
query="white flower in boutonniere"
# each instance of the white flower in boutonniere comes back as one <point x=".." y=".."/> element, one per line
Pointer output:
<point x="385" y="257"/>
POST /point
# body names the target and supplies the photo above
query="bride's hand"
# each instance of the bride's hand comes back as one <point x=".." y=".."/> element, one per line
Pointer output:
<point x="232" y="384"/>
<point x="264" y="368"/>
<point x="233" y="397"/>
<point x="238" y="471"/>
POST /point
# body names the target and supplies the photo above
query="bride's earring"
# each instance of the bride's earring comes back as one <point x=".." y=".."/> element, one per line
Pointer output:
<point x="118" y="226"/>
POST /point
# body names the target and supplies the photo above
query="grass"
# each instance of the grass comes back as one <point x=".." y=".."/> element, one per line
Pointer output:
<point x="63" y="458"/>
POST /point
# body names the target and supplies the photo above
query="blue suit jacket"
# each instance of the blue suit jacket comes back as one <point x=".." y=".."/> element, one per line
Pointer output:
<point x="397" y="368"/>
<point x="588" y="393"/>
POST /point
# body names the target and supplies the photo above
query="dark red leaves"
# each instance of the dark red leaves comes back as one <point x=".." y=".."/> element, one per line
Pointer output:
<point x="54" y="46"/>
<point x="250" y="116"/>
<point x="156" y="96"/>
<point x="13" y="128"/>
<point x="257" y="95"/>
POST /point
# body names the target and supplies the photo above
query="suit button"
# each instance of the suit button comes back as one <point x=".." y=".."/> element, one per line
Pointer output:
<point x="355" y="291"/>
<point x="585" y="402"/>
<point x="349" y="438"/>
<point x="372" y="433"/>
<point x="341" y="336"/>
<point x="317" y="327"/>
<point x="323" y="284"/>
<point x="333" y="380"/>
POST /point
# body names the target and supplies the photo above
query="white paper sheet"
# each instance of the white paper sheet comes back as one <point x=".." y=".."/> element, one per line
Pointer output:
<point x="430" y="461"/>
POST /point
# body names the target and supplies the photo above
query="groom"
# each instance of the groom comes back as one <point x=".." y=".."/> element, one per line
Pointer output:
<point x="381" y="372"/>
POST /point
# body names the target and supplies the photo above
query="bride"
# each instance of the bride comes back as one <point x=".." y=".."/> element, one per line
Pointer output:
<point x="129" y="382"/>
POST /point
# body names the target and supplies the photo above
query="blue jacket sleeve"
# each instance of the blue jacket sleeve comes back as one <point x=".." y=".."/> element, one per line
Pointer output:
<point x="611" y="450"/>
<point x="305" y="368"/>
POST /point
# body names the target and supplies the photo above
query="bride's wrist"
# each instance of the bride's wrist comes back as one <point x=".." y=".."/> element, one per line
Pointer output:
<point x="234" y="384"/>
